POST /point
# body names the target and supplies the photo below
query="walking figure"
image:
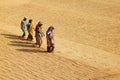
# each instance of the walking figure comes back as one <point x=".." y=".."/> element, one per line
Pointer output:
<point x="30" y="30"/>
<point x="39" y="34"/>
<point x="24" y="27"/>
<point x="50" y="39"/>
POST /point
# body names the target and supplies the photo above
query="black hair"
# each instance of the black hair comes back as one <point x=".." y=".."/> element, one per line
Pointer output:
<point x="30" y="20"/>
<point x="25" y="19"/>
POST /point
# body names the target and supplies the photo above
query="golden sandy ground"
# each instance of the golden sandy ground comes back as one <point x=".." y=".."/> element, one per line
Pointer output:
<point x="87" y="40"/>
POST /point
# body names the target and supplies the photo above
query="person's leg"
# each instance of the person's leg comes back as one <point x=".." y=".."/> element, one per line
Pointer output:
<point x="52" y="48"/>
<point x="48" y="45"/>
<point x="28" y="36"/>
<point x="48" y="49"/>
<point x="36" y="40"/>
<point x="23" y="33"/>
<point x="31" y="37"/>
<point x="40" y="41"/>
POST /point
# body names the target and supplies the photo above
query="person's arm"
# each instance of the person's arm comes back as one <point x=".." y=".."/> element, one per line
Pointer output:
<point x="43" y="33"/>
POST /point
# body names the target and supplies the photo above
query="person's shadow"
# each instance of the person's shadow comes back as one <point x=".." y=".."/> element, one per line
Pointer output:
<point x="24" y="45"/>
<point x="10" y="36"/>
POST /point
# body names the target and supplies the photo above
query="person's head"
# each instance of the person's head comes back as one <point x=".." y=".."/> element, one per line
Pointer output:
<point x="24" y="18"/>
<point x="30" y="20"/>
<point x="40" y="24"/>
<point x="52" y="28"/>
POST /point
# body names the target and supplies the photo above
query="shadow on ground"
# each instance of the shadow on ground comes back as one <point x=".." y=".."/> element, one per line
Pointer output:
<point x="23" y="45"/>
<point x="10" y="36"/>
<point x="32" y="50"/>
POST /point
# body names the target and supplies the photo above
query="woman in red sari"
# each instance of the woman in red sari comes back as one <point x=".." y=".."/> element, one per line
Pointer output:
<point x="39" y="34"/>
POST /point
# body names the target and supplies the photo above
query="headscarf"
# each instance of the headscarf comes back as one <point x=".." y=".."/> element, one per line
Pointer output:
<point x="50" y="29"/>
<point x="38" y="26"/>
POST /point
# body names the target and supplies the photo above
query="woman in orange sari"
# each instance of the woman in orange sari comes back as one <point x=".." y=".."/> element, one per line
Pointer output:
<point x="30" y="30"/>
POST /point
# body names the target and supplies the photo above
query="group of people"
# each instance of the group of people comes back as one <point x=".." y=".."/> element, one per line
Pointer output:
<point x="27" y="27"/>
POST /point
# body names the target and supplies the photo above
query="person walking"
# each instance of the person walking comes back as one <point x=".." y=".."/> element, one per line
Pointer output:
<point x="39" y="34"/>
<point x="24" y="27"/>
<point x="30" y="30"/>
<point x="50" y="39"/>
